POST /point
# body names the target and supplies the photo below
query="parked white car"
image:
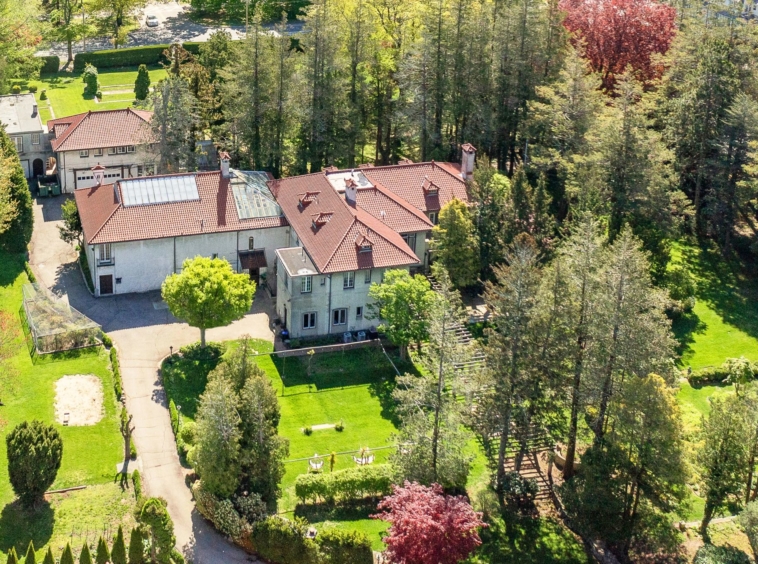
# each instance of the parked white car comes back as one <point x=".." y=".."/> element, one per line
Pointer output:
<point x="152" y="21"/>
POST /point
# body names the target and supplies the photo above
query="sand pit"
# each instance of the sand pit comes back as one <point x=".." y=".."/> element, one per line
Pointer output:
<point x="81" y="397"/>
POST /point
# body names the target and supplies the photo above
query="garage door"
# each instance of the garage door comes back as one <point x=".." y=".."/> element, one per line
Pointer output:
<point x="84" y="178"/>
<point x="27" y="172"/>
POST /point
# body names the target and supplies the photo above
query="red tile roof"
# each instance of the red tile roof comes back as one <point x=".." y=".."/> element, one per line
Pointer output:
<point x="407" y="181"/>
<point x="106" y="220"/>
<point x="99" y="130"/>
<point x="333" y="246"/>
<point x="392" y="210"/>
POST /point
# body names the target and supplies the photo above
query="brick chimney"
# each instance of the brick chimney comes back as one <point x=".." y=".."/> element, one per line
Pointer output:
<point x="224" y="157"/>
<point x="468" y="159"/>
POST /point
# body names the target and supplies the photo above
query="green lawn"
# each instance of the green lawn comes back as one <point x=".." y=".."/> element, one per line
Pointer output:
<point x="90" y="454"/>
<point x="65" y="91"/>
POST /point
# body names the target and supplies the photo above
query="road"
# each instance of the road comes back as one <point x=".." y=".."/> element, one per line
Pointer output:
<point x="143" y="330"/>
<point x="175" y="25"/>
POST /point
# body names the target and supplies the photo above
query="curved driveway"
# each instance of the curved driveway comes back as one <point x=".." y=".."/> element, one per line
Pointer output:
<point x="143" y="331"/>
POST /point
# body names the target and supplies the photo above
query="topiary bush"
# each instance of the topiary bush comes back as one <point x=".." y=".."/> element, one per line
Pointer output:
<point x="137" y="484"/>
<point x="43" y="95"/>
<point x="33" y="88"/>
<point x="90" y="79"/>
<point x="188" y="433"/>
<point x="342" y="546"/>
<point x="174" y="414"/>
<point x="282" y="541"/>
<point x="107" y="341"/>
<point x="345" y="485"/>
<point x="15" y="89"/>
<point x="117" y="383"/>
<point x="713" y="375"/>
<point x="51" y="64"/>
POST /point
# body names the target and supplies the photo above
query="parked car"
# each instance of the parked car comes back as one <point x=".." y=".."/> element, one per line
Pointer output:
<point x="152" y="21"/>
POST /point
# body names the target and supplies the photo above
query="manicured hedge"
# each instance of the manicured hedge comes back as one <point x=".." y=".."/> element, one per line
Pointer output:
<point x="137" y="484"/>
<point x="343" y="546"/>
<point x="50" y="64"/>
<point x="345" y="485"/>
<point x="281" y="541"/>
<point x="117" y="384"/>
<point x="128" y="57"/>
<point x="712" y="375"/>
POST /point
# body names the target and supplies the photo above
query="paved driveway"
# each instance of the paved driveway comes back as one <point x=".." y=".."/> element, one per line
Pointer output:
<point x="143" y="330"/>
<point x="175" y="25"/>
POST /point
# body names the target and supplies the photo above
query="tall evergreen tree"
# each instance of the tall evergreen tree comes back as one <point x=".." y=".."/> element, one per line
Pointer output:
<point x="19" y="233"/>
<point x="103" y="555"/>
<point x="118" y="552"/>
<point x="136" y="547"/>
<point x="173" y="123"/>
<point x="31" y="557"/>
<point x="455" y="245"/>
<point x="85" y="557"/>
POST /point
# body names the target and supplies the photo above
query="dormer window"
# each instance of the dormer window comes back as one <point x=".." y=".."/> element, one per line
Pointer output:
<point x="364" y="244"/>
<point x="429" y="187"/>
<point x="319" y="219"/>
<point x="306" y="198"/>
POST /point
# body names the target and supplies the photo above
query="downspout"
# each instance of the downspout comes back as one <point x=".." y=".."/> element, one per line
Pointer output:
<point x="174" y="265"/>
<point x="94" y="262"/>
<point x="237" y="252"/>
<point x="329" y="311"/>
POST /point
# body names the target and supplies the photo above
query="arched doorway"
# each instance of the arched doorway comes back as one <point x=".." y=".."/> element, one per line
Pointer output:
<point x="38" y="168"/>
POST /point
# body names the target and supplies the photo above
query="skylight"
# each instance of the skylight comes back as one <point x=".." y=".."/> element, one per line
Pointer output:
<point x="159" y="190"/>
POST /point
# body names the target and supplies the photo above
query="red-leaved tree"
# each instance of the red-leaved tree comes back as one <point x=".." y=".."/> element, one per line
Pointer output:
<point x="615" y="34"/>
<point x="427" y="526"/>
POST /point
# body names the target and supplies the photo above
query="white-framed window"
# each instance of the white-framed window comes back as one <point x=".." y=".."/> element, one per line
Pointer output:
<point x="35" y="138"/>
<point x="410" y="240"/>
<point x="251" y="243"/>
<point x="140" y="170"/>
<point x="121" y="150"/>
<point x="358" y="312"/>
<point x="367" y="276"/>
<point x="339" y="316"/>
<point x="111" y="150"/>
<point x="130" y="148"/>
<point x="84" y="153"/>
<point x="105" y="255"/>
<point x="433" y="217"/>
<point x="348" y="280"/>
<point x="19" y="143"/>
<point x="306" y="284"/>
<point x="309" y="320"/>
<point x="98" y="152"/>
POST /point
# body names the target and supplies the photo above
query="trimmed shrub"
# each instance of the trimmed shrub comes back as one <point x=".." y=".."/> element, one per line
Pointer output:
<point x="308" y="431"/>
<point x="251" y="507"/>
<point x="282" y="541"/>
<point x="339" y="427"/>
<point x="345" y="485"/>
<point x="43" y="95"/>
<point x="33" y="88"/>
<point x="174" y="413"/>
<point x="107" y="341"/>
<point x="341" y="546"/>
<point x="227" y="520"/>
<point x="212" y="351"/>
<point x="90" y="78"/>
<point x="132" y="450"/>
<point x="15" y="89"/>
<point x="51" y="64"/>
<point x="117" y="384"/>
<point x="188" y="433"/>
<point x="137" y="484"/>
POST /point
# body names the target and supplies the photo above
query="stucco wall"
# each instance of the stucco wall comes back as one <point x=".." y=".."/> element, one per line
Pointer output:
<point x="142" y="266"/>
<point x="298" y="303"/>
<point x="69" y="162"/>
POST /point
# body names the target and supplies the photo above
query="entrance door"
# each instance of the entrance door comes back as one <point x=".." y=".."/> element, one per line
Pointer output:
<point x="38" y="167"/>
<point x="106" y="284"/>
<point x="255" y="276"/>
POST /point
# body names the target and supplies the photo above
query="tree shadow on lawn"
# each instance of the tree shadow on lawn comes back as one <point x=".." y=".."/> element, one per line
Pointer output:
<point x="529" y="541"/>
<point x="19" y="525"/>
<point x="320" y="512"/>
<point x="684" y="327"/>
<point x="725" y="285"/>
<point x="355" y="367"/>
<point x="184" y="379"/>
<point x="11" y="266"/>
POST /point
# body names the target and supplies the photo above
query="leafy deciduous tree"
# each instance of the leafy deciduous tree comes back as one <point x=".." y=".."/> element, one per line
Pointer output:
<point x="455" y="245"/>
<point x="208" y="293"/>
<point x="427" y="526"/>
<point x="71" y="228"/>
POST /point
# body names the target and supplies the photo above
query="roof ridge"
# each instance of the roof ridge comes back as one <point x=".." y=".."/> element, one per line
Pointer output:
<point x="401" y="201"/>
<point x="342" y="240"/>
<point x="73" y="124"/>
